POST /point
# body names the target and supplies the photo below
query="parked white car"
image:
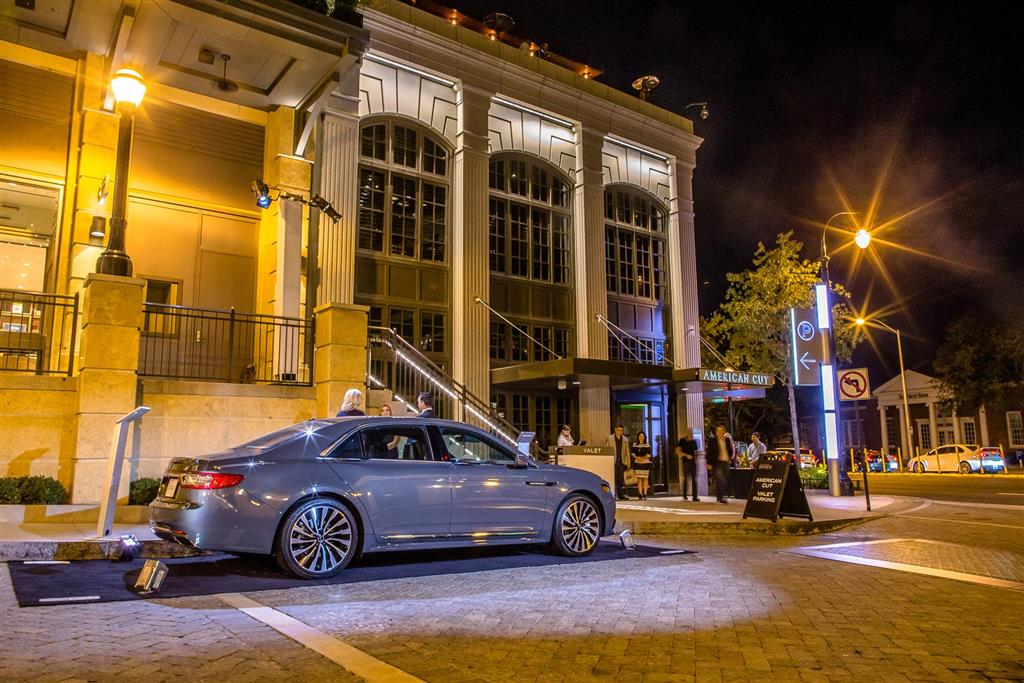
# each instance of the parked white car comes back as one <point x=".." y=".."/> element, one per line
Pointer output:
<point x="962" y="458"/>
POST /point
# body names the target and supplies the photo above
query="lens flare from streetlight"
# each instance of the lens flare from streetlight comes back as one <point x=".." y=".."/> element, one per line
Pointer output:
<point x="860" y="321"/>
<point x="863" y="238"/>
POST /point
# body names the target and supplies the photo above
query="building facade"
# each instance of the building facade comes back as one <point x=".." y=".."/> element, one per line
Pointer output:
<point x="496" y="207"/>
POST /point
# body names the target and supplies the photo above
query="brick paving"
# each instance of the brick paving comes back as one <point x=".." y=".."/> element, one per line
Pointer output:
<point x="998" y="564"/>
<point x="741" y="609"/>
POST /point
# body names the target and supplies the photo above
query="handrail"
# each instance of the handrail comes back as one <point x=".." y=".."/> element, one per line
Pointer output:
<point x="609" y="325"/>
<point x="525" y="333"/>
<point x="456" y="391"/>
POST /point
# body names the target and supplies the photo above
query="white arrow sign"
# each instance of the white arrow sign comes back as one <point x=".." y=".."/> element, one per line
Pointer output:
<point x="807" y="362"/>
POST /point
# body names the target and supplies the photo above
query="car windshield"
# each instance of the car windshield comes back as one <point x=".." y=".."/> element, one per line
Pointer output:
<point x="287" y="434"/>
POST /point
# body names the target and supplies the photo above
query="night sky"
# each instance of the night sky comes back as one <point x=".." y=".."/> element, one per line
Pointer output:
<point x="811" y="102"/>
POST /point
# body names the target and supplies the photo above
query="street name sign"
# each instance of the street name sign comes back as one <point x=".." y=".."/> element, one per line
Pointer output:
<point x="776" y="490"/>
<point x="806" y="344"/>
<point x="853" y="384"/>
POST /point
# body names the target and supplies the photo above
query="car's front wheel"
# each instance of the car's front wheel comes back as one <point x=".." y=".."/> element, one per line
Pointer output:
<point x="317" y="539"/>
<point x="965" y="467"/>
<point x="577" y="526"/>
<point x="918" y="467"/>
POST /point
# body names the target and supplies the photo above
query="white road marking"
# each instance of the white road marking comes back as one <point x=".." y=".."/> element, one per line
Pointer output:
<point x="673" y="511"/>
<point x="963" y="521"/>
<point x="72" y="598"/>
<point x="46" y="562"/>
<point x="344" y="655"/>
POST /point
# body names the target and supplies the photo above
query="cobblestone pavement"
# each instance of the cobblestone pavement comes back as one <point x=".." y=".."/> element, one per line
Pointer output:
<point x="740" y="609"/>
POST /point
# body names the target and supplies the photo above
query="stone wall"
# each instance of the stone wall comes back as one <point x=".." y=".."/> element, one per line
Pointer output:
<point x="37" y="426"/>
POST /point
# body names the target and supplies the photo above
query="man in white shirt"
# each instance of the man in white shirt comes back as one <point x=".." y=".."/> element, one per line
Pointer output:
<point x="756" y="449"/>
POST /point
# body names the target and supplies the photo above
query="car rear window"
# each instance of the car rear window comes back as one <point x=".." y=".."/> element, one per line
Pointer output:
<point x="287" y="434"/>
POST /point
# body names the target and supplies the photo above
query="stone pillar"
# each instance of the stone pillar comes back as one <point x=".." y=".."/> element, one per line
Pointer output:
<point x="983" y="426"/>
<point x="885" y="428"/>
<point x="340" y="363"/>
<point x="588" y="249"/>
<point x="904" y="437"/>
<point x="957" y="432"/>
<point x="933" y="425"/>
<point x="338" y="153"/>
<point x="595" y="411"/>
<point x="469" y="246"/>
<point x="112" y="320"/>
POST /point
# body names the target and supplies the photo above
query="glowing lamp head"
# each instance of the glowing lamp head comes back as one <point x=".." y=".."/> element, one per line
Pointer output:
<point x="860" y="321"/>
<point x="862" y="238"/>
<point x="128" y="87"/>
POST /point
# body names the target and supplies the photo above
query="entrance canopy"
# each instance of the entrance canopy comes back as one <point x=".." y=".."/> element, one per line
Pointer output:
<point x="719" y="386"/>
<point x="580" y="373"/>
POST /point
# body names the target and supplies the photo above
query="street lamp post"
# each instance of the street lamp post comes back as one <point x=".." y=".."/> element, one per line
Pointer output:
<point x="129" y="89"/>
<point x="839" y="483"/>
<point x="903" y="380"/>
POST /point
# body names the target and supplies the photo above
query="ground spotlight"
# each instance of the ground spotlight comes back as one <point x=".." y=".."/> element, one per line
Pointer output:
<point x="627" y="540"/>
<point x="129" y="547"/>
<point x="151" y="577"/>
<point x="262" y="192"/>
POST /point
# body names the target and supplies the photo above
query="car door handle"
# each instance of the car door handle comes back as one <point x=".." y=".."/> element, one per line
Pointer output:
<point x="540" y="483"/>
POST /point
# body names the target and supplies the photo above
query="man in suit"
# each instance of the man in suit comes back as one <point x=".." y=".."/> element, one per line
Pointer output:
<point x="686" y="451"/>
<point x="425" y="404"/>
<point x="620" y="443"/>
<point x="719" y="455"/>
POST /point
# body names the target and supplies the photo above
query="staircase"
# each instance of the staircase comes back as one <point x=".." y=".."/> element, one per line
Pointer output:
<point x="398" y="370"/>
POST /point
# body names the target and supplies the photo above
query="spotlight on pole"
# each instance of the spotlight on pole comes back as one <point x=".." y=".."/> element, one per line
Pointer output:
<point x="262" y="192"/>
<point x="325" y="206"/>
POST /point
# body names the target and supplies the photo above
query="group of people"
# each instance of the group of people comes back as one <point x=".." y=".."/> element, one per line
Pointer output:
<point x="634" y="458"/>
<point x="721" y="456"/>
<point x="352" y="404"/>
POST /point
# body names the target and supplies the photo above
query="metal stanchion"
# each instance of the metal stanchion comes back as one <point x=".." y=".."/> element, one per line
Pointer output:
<point x="867" y="492"/>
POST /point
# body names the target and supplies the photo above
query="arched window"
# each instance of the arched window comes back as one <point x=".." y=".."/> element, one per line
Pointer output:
<point x="403" y="191"/>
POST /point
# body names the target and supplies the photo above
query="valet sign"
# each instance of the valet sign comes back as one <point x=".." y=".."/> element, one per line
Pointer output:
<point x="756" y="379"/>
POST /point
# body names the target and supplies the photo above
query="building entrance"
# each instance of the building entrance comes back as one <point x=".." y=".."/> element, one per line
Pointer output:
<point x="648" y="417"/>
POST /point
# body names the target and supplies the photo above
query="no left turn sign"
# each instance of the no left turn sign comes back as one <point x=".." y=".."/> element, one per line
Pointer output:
<point x="853" y="384"/>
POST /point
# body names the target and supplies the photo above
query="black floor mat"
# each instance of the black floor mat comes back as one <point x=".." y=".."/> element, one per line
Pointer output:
<point x="88" y="581"/>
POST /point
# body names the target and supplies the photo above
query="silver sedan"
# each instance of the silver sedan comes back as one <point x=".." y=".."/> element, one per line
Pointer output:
<point x="318" y="494"/>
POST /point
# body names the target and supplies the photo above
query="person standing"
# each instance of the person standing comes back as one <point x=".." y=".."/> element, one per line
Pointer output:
<point x="686" y="451"/>
<point x="619" y="442"/>
<point x="425" y="404"/>
<point x="642" y="463"/>
<point x="756" y="449"/>
<point x="352" y="404"/>
<point x="565" y="436"/>
<point x="719" y="453"/>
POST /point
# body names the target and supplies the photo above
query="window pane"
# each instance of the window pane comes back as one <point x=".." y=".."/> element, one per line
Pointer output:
<point x="614" y="347"/>
<point x="624" y="213"/>
<point x="352" y="447"/>
<point x="404" y="147"/>
<point x="496" y="177"/>
<point x="374" y="142"/>
<point x="520" y="411"/>
<point x="435" y="157"/>
<point x="559" y="192"/>
<point x="468" y="447"/>
<point x="609" y="205"/>
<point x="431" y="332"/>
<point x="519" y="243"/>
<point x="433" y="222"/>
<point x="657" y="220"/>
<point x="498" y="332"/>
<point x="396" y="443"/>
<point x="371" y="210"/>
<point x="539" y="184"/>
<point x="541" y="245"/>
<point x="641" y="213"/>
<point x="402" y="321"/>
<point x="375" y="317"/>
<point x="563" y="411"/>
<point x="562" y="342"/>
<point x="627" y="283"/>
<point x="560" y="248"/>
<point x="643" y="266"/>
<point x="658" y="265"/>
<point x="517" y="177"/>
<point x="610" y="263"/>
<point x="498" y="226"/>
<point x="403" y="216"/>
<point x="543" y="336"/>
<point x="543" y="422"/>
<point x="1016" y="427"/>
<point x="520" y="345"/>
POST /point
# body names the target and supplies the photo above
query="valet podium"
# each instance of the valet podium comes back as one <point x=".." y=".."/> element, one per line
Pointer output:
<point x="597" y="459"/>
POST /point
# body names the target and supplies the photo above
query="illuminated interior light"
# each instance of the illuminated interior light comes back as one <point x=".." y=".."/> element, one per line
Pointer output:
<point x="831" y="437"/>
<point x="821" y="301"/>
<point x="828" y="387"/>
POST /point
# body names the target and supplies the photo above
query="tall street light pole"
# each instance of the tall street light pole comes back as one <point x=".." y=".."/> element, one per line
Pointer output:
<point x="903" y="380"/>
<point x="839" y="483"/>
<point x="129" y="89"/>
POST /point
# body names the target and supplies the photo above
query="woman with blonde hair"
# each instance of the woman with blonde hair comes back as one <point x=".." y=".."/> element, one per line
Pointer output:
<point x="352" y="404"/>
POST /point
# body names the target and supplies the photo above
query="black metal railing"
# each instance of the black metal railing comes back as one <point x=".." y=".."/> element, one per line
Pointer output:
<point x="37" y="332"/>
<point x="398" y="366"/>
<point x="224" y="346"/>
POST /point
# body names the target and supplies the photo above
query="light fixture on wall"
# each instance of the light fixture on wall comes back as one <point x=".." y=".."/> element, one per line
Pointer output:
<point x="264" y="199"/>
<point x="98" y="227"/>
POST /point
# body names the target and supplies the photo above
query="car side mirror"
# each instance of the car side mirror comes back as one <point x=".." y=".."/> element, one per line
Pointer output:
<point x="522" y="461"/>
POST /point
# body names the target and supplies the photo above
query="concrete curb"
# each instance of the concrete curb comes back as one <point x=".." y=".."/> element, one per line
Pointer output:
<point x="783" y="527"/>
<point x="70" y="514"/>
<point x="14" y="551"/>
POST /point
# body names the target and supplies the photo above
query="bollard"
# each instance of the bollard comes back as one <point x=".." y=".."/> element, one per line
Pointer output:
<point x="867" y="492"/>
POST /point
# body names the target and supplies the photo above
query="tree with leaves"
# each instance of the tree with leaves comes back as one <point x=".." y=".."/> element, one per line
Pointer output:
<point x="979" y="362"/>
<point x="752" y="326"/>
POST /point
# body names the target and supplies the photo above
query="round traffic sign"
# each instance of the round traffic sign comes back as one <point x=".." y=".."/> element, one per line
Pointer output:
<point x="853" y="385"/>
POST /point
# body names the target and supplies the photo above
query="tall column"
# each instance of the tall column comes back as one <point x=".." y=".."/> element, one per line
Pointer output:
<point x="885" y="427"/>
<point x="340" y="362"/>
<point x="469" y="243"/>
<point x="957" y="437"/>
<point x="983" y="426"/>
<point x="112" y="319"/>
<point x="933" y="425"/>
<point x="338" y="154"/>
<point x="904" y="437"/>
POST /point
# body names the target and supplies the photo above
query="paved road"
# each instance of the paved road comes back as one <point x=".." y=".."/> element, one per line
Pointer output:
<point x="968" y="488"/>
<point x="934" y="594"/>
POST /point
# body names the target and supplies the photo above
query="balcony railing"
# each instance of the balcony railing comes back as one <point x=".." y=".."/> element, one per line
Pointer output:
<point x="224" y="346"/>
<point x="37" y="332"/>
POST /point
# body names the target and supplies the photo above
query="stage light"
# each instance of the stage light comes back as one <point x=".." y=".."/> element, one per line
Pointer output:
<point x="151" y="577"/>
<point x="325" y="206"/>
<point x="130" y="547"/>
<point x="262" y="192"/>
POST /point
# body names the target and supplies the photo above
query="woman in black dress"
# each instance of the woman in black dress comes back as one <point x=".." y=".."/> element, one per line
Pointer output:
<point x="641" y="451"/>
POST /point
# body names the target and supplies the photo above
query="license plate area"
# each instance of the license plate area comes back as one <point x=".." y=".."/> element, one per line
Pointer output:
<point x="171" y="487"/>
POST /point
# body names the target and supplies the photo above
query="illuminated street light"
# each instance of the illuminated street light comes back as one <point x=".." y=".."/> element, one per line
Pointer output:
<point x="129" y="89"/>
<point x="861" y="322"/>
<point x="839" y="483"/>
<point x="862" y="238"/>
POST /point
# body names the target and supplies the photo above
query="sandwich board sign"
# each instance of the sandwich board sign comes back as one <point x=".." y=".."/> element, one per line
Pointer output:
<point x="777" y="491"/>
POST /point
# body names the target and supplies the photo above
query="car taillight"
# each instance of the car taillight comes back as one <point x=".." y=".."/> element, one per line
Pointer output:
<point x="210" y="480"/>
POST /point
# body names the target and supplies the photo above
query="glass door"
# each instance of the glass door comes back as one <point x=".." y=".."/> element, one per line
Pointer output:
<point x="648" y="417"/>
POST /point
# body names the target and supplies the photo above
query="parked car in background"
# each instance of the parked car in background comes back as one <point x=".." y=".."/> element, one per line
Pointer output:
<point x="807" y="456"/>
<point x="317" y="494"/>
<point x="876" y="462"/>
<point x="962" y="458"/>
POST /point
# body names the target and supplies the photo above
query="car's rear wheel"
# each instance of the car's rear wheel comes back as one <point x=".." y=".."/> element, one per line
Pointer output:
<point x="918" y="467"/>
<point x="317" y="539"/>
<point x="577" y="527"/>
<point x="965" y="467"/>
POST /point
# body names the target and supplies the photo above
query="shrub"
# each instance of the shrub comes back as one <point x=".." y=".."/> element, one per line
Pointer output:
<point x="143" y="491"/>
<point x="814" y="478"/>
<point x="32" y="491"/>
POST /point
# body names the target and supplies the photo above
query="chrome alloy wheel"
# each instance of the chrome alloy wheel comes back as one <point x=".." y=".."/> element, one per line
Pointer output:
<point x="320" y="539"/>
<point x="580" y="526"/>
